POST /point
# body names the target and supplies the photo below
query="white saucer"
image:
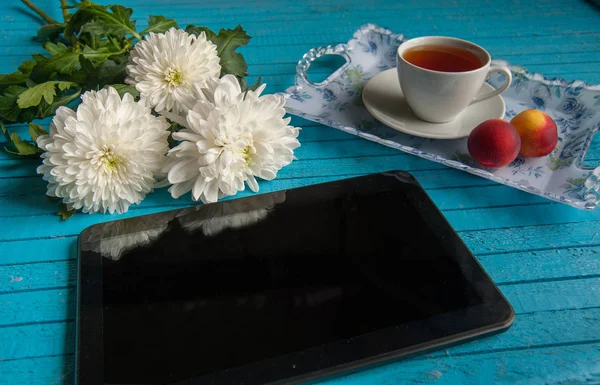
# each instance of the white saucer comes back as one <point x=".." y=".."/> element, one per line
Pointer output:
<point x="383" y="98"/>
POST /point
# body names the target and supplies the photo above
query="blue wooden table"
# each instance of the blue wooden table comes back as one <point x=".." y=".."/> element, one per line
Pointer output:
<point x="545" y="256"/>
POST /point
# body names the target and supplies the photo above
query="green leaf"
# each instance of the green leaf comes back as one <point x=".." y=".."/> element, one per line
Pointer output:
<point x="87" y="65"/>
<point x="63" y="100"/>
<point x="116" y="22"/>
<point x="96" y="56"/>
<point x="16" y="145"/>
<point x="5" y="132"/>
<point x="115" y="45"/>
<point x="26" y="67"/>
<point x="109" y="72"/>
<point x="112" y="72"/>
<point x="94" y="27"/>
<point x="14" y="78"/>
<point x="77" y="20"/>
<point x="36" y="130"/>
<point x="65" y="213"/>
<point x="64" y="63"/>
<point x="56" y="49"/>
<point x="192" y="29"/>
<point x="159" y="24"/>
<point x="18" y="77"/>
<point x="39" y="58"/>
<point x="50" y="31"/>
<point x="227" y="41"/>
<point x="174" y="127"/>
<point x="33" y="96"/>
<point x="45" y="110"/>
<point x="9" y="109"/>
<point x="245" y="87"/>
<point x="123" y="89"/>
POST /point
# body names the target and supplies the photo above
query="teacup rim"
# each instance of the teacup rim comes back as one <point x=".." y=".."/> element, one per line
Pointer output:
<point x="484" y="66"/>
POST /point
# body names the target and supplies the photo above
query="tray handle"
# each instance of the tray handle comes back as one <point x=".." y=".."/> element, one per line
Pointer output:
<point x="591" y="193"/>
<point x="315" y="53"/>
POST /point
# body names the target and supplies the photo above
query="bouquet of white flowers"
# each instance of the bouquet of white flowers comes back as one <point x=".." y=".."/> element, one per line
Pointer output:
<point x="164" y="106"/>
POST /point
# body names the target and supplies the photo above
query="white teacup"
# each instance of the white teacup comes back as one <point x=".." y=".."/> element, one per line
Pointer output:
<point x="437" y="96"/>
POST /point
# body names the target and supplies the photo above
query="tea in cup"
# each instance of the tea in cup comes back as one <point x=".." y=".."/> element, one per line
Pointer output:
<point x="441" y="76"/>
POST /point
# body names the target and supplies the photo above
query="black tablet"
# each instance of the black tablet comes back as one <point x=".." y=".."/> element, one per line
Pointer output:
<point x="278" y="288"/>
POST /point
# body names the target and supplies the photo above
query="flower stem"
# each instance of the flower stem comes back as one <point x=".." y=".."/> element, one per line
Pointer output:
<point x="41" y="13"/>
<point x="65" y="10"/>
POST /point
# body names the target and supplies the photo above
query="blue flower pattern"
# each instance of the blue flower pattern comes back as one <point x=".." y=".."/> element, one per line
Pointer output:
<point x="299" y="95"/>
<point x="573" y="106"/>
<point x="539" y="96"/>
<point x="328" y="95"/>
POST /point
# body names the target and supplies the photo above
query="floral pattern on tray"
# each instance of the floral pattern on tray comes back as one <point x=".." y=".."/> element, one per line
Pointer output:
<point x="575" y="107"/>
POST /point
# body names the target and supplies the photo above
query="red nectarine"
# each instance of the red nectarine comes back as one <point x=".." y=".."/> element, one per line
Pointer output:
<point x="494" y="143"/>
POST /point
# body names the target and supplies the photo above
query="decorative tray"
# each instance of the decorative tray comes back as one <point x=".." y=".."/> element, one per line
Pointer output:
<point x="574" y="106"/>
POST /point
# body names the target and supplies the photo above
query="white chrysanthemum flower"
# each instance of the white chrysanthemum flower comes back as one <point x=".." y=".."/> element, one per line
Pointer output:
<point x="106" y="156"/>
<point x="231" y="137"/>
<point x="164" y="66"/>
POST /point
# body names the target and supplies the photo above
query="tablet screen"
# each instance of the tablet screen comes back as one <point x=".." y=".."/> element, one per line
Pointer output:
<point x="215" y="287"/>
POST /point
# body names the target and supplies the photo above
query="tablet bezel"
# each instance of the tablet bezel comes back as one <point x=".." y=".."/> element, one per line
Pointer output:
<point x="492" y="315"/>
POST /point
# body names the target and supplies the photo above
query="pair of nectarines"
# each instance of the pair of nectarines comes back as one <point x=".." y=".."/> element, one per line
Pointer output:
<point x="496" y="142"/>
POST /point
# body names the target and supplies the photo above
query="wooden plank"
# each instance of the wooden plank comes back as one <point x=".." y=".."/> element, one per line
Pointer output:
<point x="20" y="187"/>
<point x="548" y="264"/>
<point x="529" y="330"/>
<point x="38" y="371"/>
<point x="37" y="306"/>
<point x="38" y="250"/>
<point x="18" y="168"/>
<point x="461" y="197"/>
<point x="38" y="340"/>
<point x="234" y="10"/>
<point x="59" y="304"/>
<point x="36" y="276"/>
<point x="431" y="179"/>
<point x="277" y="12"/>
<point x="471" y="17"/>
<point x="493" y="241"/>
<point x="38" y="204"/>
<point x="357" y="147"/>
<point x="16" y="35"/>
<point x="285" y="53"/>
<point x="310" y="132"/>
<point x="329" y="37"/>
<point x="575" y="364"/>
<point x="534" y="44"/>
<point x="534" y="330"/>
<point x="504" y="268"/>
<point x="512" y="216"/>
<point x="472" y="219"/>
<point x="482" y="197"/>
<point x="553" y="295"/>
<point x="551" y="69"/>
<point x="345" y="145"/>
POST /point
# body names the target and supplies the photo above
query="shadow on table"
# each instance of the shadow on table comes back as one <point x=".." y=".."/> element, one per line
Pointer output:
<point x="594" y="3"/>
<point x="67" y="375"/>
<point x="67" y="370"/>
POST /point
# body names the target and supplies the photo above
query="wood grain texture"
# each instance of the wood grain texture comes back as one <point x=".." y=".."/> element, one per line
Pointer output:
<point x="543" y="255"/>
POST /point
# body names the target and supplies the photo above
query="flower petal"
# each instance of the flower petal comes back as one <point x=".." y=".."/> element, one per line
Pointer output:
<point x="183" y="171"/>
